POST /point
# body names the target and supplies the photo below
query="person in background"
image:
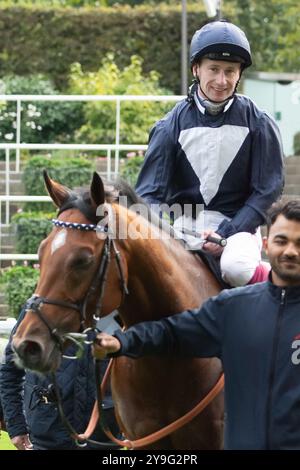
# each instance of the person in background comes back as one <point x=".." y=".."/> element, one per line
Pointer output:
<point x="29" y="401"/>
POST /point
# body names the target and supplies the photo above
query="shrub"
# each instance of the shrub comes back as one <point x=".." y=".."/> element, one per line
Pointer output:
<point x="48" y="39"/>
<point x="136" y="117"/>
<point x="18" y="284"/>
<point x="41" y="121"/>
<point x="48" y="36"/>
<point x="31" y="229"/>
<point x="72" y="172"/>
<point x="130" y="168"/>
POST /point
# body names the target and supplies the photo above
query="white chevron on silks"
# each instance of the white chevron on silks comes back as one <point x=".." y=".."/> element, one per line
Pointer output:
<point x="210" y="152"/>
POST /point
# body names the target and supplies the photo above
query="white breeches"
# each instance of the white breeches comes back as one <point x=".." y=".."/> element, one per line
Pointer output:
<point x="241" y="255"/>
<point x="240" y="258"/>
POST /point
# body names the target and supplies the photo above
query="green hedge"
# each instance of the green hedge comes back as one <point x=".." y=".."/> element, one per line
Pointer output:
<point x="31" y="229"/>
<point x="72" y="172"/>
<point x="18" y="284"/>
<point x="49" y="40"/>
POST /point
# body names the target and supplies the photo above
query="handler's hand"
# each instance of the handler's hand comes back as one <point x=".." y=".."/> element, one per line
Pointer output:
<point x="105" y="344"/>
<point x="212" y="248"/>
<point x="22" y="442"/>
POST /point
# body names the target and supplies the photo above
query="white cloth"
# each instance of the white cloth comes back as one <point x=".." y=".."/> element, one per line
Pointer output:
<point x="241" y="255"/>
<point x="240" y="258"/>
<point x="205" y="220"/>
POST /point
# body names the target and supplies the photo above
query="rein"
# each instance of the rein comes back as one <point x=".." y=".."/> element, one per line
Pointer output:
<point x="157" y="435"/>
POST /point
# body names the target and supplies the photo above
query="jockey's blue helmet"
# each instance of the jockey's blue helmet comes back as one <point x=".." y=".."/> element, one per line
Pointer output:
<point x="221" y="40"/>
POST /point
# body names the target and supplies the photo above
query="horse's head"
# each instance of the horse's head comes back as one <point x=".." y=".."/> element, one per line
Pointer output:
<point x="77" y="280"/>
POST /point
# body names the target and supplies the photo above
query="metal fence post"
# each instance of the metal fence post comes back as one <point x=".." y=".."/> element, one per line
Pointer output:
<point x="118" y="119"/>
<point x="7" y="184"/>
<point x="108" y="164"/>
<point x="18" y="134"/>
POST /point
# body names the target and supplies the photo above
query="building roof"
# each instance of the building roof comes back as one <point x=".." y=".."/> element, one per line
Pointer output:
<point x="282" y="78"/>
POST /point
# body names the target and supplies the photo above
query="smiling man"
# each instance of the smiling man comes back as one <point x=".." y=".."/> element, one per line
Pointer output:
<point x="255" y="331"/>
<point x="283" y="244"/>
<point x="217" y="151"/>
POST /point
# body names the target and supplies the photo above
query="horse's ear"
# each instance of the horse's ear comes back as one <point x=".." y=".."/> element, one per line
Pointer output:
<point x="97" y="190"/>
<point x="57" y="192"/>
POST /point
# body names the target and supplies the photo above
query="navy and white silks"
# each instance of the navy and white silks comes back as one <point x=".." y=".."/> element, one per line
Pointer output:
<point x="229" y="167"/>
<point x="231" y="163"/>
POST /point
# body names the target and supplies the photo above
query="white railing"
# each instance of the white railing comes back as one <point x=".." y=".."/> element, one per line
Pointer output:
<point x="108" y="148"/>
<point x="118" y="99"/>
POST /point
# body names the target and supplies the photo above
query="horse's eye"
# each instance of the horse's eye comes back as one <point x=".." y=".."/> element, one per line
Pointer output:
<point x="82" y="262"/>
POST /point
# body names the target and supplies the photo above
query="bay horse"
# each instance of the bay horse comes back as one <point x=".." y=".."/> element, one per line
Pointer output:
<point x="162" y="278"/>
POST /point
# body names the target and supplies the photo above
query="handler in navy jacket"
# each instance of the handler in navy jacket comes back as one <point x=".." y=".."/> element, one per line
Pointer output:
<point x="29" y="403"/>
<point x="255" y="331"/>
<point x="219" y="152"/>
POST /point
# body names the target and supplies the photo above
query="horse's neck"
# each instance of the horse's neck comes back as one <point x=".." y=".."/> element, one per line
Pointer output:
<point x="164" y="279"/>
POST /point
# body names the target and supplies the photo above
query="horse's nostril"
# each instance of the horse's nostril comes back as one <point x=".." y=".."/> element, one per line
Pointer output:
<point x="29" y="351"/>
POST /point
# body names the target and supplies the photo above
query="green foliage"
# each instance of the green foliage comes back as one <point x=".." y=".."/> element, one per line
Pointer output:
<point x="273" y="29"/>
<point x="84" y="3"/>
<point x="72" y="172"/>
<point x="136" y="117"/>
<point x="48" y="40"/>
<point x="42" y="121"/>
<point x="130" y="168"/>
<point x="18" y="283"/>
<point x="31" y="229"/>
<point x="297" y="144"/>
<point x="137" y="2"/>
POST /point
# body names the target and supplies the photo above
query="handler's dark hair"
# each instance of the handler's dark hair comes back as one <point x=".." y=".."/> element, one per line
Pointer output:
<point x="290" y="209"/>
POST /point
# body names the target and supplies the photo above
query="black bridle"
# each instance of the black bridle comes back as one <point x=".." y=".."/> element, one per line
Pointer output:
<point x="36" y="302"/>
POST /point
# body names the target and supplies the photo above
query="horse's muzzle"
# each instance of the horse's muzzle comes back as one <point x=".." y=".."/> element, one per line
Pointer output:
<point x="32" y="355"/>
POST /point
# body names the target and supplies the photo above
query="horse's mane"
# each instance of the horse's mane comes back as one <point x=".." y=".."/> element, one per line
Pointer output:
<point x="113" y="191"/>
<point x="124" y="189"/>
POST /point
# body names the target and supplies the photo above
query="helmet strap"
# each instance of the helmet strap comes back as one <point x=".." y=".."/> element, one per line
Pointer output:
<point x="192" y="90"/>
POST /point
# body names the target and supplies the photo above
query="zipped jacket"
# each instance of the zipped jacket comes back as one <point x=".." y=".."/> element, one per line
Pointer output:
<point x="231" y="163"/>
<point x="255" y="331"/>
<point x="30" y="406"/>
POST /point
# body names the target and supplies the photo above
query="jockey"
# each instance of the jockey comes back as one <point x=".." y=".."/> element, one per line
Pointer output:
<point x="218" y="152"/>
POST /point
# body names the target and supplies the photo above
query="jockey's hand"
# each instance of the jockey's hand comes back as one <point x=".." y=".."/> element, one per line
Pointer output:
<point x="22" y="442"/>
<point x="105" y="344"/>
<point x="212" y="248"/>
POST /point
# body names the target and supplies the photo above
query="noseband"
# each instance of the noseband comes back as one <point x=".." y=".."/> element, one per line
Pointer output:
<point x="36" y="302"/>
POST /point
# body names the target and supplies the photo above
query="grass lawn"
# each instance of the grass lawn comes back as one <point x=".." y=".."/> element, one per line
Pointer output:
<point x="5" y="443"/>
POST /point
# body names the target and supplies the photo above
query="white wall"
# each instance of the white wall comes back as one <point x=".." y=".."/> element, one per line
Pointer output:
<point x="276" y="98"/>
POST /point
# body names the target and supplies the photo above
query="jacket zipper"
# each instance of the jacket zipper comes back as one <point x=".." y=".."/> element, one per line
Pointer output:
<point x="273" y="366"/>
